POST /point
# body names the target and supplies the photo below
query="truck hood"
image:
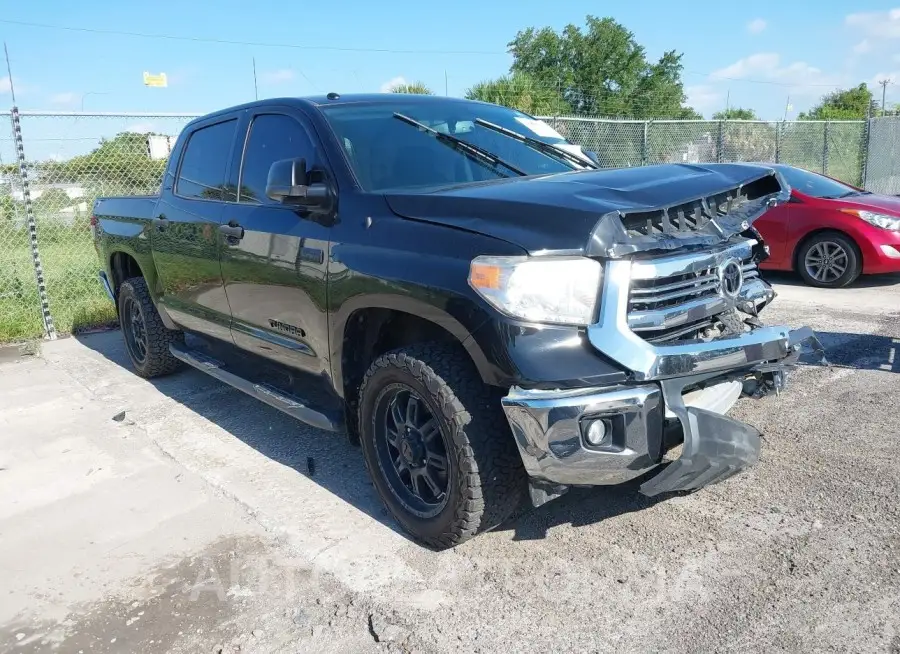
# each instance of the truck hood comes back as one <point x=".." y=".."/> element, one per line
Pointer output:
<point x="610" y="213"/>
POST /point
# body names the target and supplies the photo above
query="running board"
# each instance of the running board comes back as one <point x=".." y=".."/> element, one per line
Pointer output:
<point x="293" y="406"/>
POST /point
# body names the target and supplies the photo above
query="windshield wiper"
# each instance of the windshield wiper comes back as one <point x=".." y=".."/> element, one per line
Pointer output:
<point x="540" y="146"/>
<point x="472" y="151"/>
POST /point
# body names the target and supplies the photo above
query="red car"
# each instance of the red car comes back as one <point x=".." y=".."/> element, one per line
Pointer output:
<point x="831" y="232"/>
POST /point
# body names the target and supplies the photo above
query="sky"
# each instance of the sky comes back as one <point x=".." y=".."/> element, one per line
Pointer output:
<point x="763" y="55"/>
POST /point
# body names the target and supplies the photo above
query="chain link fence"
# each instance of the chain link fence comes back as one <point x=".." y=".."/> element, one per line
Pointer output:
<point x="882" y="165"/>
<point x="71" y="159"/>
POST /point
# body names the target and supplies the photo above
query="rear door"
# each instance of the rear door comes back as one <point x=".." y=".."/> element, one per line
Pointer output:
<point x="274" y="267"/>
<point x="185" y="231"/>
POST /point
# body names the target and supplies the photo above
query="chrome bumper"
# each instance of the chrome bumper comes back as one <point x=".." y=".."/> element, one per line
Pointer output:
<point x="549" y="426"/>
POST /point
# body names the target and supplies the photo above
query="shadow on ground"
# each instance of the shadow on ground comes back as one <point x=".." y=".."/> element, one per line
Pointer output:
<point x="336" y="465"/>
<point x="861" y="351"/>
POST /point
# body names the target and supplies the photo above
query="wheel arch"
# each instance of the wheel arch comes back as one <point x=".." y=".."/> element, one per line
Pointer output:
<point x="384" y="323"/>
<point x="795" y="264"/>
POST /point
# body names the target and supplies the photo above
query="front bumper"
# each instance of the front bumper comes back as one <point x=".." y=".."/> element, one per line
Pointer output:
<point x="550" y="426"/>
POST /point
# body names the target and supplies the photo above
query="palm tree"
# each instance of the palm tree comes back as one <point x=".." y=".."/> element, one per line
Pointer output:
<point x="416" y="88"/>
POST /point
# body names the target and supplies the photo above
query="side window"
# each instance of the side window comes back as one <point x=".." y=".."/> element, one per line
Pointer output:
<point x="202" y="171"/>
<point x="272" y="137"/>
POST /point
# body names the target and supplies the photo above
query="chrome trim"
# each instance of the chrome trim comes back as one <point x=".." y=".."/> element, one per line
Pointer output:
<point x="546" y="426"/>
<point x="614" y="337"/>
<point x="692" y="262"/>
<point x="695" y="310"/>
<point x="106" y="285"/>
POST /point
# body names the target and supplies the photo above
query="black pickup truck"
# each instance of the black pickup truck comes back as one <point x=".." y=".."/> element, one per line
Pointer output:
<point x="462" y="292"/>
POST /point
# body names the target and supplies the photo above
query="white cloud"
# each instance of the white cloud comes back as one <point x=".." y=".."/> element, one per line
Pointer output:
<point x="876" y="24"/>
<point x="391" y="83"/>
<point x="4" y="84"/>
<point x="799" y="76"/>
<point x="862" y="47"/>
<point x="278" y="76"/>
<point x="703" y="98"/>
<point x="64" y="98"/>
<point x="756" y="26"/>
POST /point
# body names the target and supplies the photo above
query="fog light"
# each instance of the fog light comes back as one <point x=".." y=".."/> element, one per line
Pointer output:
<point x="596" y="433"/>
<point x="891" y="252"/>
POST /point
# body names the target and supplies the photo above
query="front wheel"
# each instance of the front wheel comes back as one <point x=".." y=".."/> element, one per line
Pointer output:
<point x="437" y="445"/>
<point x="829" y="260"/>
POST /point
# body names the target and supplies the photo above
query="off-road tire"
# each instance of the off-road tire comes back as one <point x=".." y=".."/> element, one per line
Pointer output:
<point x="488" y="482"/>
<point x="854" y="260"/>
<point x="159" y="360"/>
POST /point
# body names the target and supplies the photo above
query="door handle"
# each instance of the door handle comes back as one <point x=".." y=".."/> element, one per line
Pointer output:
<point x="160" y="222"/>
<point x="232" y="231"/>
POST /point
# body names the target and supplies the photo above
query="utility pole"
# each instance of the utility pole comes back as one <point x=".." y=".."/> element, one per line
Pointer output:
<point x="255" y="88"/>
<point x="12" y="91"/>
<point x="884" y="84"/>
<point x="727" y="102"/>
<point x="445" y="83"/>
<point x="787" y="106"/>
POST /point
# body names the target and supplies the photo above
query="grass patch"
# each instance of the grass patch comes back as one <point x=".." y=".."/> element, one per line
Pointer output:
<point x="70" y="266"/>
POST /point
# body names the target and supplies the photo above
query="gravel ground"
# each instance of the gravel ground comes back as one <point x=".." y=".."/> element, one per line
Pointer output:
<point x="183" y="516"/>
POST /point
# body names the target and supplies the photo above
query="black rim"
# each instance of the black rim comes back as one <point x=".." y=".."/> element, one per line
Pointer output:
<point x="135" y="331"/>
<point x="412" y="450"/>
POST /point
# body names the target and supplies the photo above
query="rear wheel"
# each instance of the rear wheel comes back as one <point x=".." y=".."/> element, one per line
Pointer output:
<point x="437" y="445"/>
<point x="146" y="338"/>
<point x="829" y="260"/>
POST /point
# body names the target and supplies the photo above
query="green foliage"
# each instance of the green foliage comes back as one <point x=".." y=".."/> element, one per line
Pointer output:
<point x="52" y="200"/>
<point x="522" y="92"/>
<point x="121" y="165"/>
<point x="601" y="70"/>
<point x="735" y="113"/>
<point x="850" y="104"/>
<point x="9" y="209"/>
<point x="415" y="88"/>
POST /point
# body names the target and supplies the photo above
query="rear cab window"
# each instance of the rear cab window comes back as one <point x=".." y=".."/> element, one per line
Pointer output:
<point x="201" y="174"/>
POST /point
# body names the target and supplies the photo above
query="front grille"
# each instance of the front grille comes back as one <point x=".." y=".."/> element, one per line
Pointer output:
<point x="683" y="306"/>
<point x="694" y="215"/>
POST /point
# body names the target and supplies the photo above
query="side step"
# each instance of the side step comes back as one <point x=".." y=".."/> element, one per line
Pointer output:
<point x="293" y="406"/>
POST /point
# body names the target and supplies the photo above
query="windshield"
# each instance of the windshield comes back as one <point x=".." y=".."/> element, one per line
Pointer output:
<point x="387" y="153"/>
<point x="817" y="186"/>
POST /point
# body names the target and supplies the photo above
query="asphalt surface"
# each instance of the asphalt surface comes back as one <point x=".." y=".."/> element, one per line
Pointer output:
<point x="180" y="515"/>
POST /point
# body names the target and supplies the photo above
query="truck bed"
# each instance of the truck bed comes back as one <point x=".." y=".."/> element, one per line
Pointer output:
<point x="126" y="207"/>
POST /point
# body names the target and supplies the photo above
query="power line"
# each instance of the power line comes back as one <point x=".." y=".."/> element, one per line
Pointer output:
<point x="263" y="44"/>
<point x="198" y="39"/>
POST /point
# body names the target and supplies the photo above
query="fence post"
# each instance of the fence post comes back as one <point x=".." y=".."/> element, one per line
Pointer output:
<point x="864" y="154"/>
<point x="644" y="143"/>
<point x="778" y="128"/>
<point x="825" y="151"/>
<point x="32" y="225"/>
<point x="720" y="142"/>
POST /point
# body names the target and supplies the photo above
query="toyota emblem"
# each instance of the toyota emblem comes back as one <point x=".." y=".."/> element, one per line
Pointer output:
<point x="731" y="278"/>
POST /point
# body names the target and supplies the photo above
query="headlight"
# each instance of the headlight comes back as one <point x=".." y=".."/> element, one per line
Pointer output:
<point x="878" y="219"/>
<point x="559" y="290"/>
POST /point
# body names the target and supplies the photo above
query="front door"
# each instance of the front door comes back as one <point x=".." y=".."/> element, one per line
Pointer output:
<point x="275" y="259"/>
<point x="185" y="235"/>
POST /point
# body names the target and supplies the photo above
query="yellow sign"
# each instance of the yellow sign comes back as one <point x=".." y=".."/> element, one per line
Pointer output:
<point x="155" y="80"/>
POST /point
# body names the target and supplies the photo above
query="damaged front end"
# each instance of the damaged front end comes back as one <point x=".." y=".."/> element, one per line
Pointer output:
<point x="679" y="312"/>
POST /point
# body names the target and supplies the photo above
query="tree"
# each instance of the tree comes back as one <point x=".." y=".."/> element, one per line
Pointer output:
<point x="52" y="200"/>
<point x="416" y="88"/>
<point x="522" y="92"/>
<point x="850" y="104"/>
<point x="118" y="165"/>
<point x="735" y="113"/>
<point x="601" y="70"/>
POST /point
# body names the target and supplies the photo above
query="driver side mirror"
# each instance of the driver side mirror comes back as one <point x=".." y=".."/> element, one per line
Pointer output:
<point x="288" y="183"/>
